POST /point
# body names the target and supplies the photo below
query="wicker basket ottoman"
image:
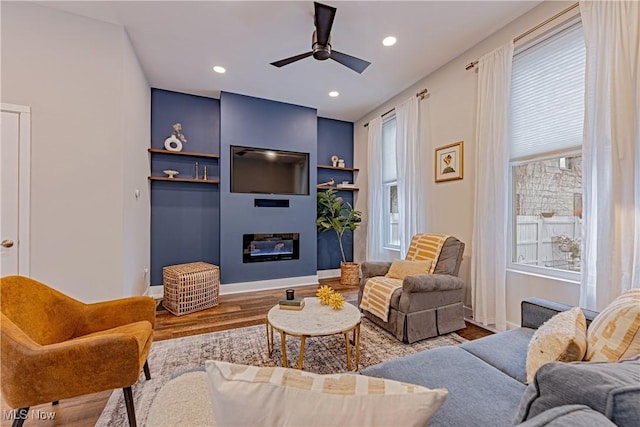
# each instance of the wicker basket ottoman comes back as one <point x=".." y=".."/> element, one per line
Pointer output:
<point x="190" y="287"/>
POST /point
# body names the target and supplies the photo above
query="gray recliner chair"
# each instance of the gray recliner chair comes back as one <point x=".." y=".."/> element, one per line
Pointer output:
<point x="427" y="305"/>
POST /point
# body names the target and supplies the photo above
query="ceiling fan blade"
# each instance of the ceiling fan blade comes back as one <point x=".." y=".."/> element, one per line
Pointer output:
<point x="356" y="64"/>
<point x="288" y="61"/>
<point x="324" y="22"/>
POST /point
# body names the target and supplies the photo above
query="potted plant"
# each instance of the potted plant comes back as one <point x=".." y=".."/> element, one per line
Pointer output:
<point x="338" y="215"/>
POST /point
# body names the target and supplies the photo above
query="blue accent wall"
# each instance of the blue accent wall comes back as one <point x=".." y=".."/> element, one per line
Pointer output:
<point x="255" y="122"/>
<point x="199" y="116"/>
<point x="185" y="217"/>
<point x="335" y="137"/>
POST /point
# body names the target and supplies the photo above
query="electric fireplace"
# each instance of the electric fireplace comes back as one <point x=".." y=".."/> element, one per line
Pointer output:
<point x="270" y="247"/>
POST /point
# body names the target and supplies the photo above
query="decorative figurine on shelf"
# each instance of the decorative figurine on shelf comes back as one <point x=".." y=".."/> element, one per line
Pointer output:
<point x="327" y="184"/>
<point x="334" y="161"/>
<point x="174" y="142"/>
<point x="341" y="163"/>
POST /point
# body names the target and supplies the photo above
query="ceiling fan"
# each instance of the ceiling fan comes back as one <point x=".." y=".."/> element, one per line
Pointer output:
<point x="321" y="43"/>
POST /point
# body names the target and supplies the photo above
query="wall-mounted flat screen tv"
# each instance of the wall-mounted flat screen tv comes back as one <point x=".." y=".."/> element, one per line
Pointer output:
<point x="264" y="171"/>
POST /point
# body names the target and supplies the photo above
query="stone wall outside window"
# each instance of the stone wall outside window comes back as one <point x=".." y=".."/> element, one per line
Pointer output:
<point x="544" y="187"/>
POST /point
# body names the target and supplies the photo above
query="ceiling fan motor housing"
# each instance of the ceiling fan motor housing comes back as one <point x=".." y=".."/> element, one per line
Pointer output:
<point x="320" y="52"/>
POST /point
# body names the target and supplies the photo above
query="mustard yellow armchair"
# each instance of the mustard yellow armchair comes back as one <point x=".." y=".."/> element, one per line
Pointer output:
<point x="54" y="347"/>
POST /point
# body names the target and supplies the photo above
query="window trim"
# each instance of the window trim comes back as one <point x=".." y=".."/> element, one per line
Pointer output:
<point x="547" y="31"/>
<point x="386" y="237"/>
<point x="387" y="216"/>
<point x="536" y="270"/>
<point x="543" y="272"/>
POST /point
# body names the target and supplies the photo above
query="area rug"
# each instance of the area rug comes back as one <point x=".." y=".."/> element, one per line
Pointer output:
<point x="249" y="346"/>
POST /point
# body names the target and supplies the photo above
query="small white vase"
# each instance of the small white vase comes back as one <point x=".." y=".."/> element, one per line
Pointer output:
<point x="173" y="144"/>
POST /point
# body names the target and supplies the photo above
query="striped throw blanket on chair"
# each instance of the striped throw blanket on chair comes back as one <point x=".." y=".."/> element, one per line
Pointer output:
<point x="377" y="292"/>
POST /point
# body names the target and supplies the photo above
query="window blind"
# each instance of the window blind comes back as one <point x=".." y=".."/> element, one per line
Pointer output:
<point x="547" y="95"/>
<point x="389" y="170"/>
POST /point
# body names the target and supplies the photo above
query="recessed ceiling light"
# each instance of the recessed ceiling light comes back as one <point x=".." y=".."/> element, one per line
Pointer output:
<point x="334" y="93"/>
<point x="219" y="69"/>
<point x="389" y="41"/>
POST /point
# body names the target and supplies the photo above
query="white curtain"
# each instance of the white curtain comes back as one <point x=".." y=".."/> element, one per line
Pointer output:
<point x="611" y="151"/>
<point x="375" y="214"/>
<point x="489" y="245"/>
<point x="411" y="207"/>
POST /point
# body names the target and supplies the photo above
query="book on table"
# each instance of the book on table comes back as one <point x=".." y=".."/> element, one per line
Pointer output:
<point x="292" y="307"/>
<point x="292" y="304"/>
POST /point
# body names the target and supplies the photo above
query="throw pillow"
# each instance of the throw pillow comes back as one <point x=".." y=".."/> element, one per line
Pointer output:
<point x="563" y="338"/>
<point x="613" y="389"/>
<point x="401" y="268"/>
<point x="615" y="333"/>
<point x="252" y="396"/>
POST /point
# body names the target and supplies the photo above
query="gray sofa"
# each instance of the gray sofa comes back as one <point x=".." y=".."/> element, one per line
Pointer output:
<point x="486" y="380"/>
<point x="427" y="305"/>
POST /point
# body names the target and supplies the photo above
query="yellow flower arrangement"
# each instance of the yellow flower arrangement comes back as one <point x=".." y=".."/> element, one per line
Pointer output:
<point x="324" y="294"/>
<point x="327" y="296"/>
<point x="336" y="300"/>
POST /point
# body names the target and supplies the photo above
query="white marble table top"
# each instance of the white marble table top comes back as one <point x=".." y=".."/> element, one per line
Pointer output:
<point x="314" y="319"/>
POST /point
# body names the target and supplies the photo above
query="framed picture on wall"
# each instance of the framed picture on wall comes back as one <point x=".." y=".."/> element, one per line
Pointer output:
<point x="449" y="162"/>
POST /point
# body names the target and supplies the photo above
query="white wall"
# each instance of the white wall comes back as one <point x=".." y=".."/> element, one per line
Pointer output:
<point x="521" y="286"/>
<point x="450" y="111"/>
<point x="136" y="110"/>
<point x="77" y="75"/>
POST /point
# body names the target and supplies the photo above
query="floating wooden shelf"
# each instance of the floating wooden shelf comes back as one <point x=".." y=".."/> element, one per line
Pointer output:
<point x="199" y="181"/>
<point x="183" y="153"/>
<point x="338" y="189"/>
<point x="337" y="168"/>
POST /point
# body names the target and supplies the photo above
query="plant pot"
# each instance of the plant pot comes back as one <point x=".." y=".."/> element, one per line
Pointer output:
<point x="349" y="273"/>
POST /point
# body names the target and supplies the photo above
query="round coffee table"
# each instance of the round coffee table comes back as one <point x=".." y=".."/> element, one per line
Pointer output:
<point x="315" y="320"/>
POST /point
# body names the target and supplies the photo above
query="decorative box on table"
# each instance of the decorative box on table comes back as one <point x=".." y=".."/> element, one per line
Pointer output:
<point x="190" y="287"/>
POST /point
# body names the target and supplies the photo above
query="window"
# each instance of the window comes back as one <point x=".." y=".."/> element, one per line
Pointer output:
<point x="390" y="184"/>
<point x="547" y="109"/>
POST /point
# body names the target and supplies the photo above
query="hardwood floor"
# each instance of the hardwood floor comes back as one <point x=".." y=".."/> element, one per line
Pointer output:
<point x="233" y="311"/>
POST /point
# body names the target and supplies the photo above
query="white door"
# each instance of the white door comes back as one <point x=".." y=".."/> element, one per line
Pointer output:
<point x="14" y="190"/>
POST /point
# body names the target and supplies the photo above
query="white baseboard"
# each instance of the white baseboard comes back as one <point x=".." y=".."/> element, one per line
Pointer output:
<point x="487" y="327"/>
<point x="467" y="313"/>
<point x="328" y="274"/>
<point x="511" y="325"/>
<point x="157" y="292"/>
<point x="468" y="316"/>
<point x="263" y="285"/>
<point x="492" y="327"/>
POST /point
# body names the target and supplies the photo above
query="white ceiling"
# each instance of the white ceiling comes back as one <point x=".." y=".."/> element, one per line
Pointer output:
<point x="178" y="43"/>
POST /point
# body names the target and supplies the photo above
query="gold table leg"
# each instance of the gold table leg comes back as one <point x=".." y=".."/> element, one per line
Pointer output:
<point x="271" y="336"/>
<point x="356" y="333"/>
<point x="269" y="339"/>
<point x="303" y="339"/>
<point x="348" y="347"/>
<point x="283" y="342"/>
